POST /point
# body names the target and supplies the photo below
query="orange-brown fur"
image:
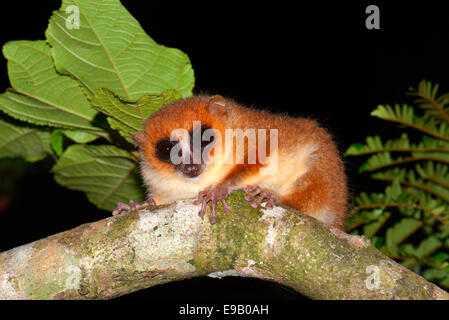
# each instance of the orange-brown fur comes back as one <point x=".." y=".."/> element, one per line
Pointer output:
<point x="310" y="175"/>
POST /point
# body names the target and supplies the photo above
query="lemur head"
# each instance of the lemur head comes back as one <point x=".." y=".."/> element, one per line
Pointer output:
<point x="178" y="137"/>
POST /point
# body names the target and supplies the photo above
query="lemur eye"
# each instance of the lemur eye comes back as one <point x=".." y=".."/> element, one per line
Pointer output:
<point x="163" y="149"/>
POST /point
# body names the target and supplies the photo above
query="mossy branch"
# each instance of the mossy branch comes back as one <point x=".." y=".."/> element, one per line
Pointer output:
<point x="119" y="255"/>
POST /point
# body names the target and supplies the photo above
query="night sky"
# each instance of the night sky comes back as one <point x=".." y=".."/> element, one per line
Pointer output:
<point x="316" y="61"/>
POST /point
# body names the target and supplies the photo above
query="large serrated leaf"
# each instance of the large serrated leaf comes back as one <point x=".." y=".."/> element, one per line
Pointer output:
<point x="20" y="141"/>
<point x="111" y="50"/>
<point x="105" y="173"/>
<point x="129" y="116"/>
<point x="79" y="136"/>
<point x="40" y="95"/>
<point x="57" y="141"/>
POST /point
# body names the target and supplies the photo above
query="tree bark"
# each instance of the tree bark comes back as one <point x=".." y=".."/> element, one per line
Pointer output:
<point x="122" y="254"/>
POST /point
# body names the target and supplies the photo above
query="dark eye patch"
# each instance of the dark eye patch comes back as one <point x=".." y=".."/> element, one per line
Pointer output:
<point x="163" y="149"/>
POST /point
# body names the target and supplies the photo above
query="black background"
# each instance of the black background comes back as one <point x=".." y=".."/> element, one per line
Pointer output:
<point x="314" y="60"/>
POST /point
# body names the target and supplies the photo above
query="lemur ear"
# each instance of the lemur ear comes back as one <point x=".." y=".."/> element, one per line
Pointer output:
<point x="217" y="106"/>
<point x="139" y="138"/>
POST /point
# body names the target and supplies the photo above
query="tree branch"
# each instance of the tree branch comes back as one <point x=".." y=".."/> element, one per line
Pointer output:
<point x="122" y="254"/>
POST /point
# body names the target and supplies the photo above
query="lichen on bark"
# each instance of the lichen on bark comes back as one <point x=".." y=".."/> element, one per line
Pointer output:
<point x="122" y="254"/>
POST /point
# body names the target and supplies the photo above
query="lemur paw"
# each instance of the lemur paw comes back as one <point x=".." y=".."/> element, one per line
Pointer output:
<point x="255" y="191"/>
<point x="213" y="194"/>
<point x="133" y="205"/>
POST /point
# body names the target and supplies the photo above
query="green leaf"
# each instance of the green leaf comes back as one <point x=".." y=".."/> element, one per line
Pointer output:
<point x="111" y="50"/>
<point x="436" y="187"/>
<point x="362" y="167"/>
<point x="428" y="101"/>
<point x="378" y="241"/>
<point x="354" y="149"/>
<point x="405" y="115"/>
<point x="420" y="185"/>
<point x="105" y="173"/>
<point x="375" y="145"/>
<point x="384" y="159"/>
<point x="437" y="274"/>
<point x="40" y="95"/>
<point x="26" y="142"/>
<point x="363" y="217"/>
<point x="439" y="258"/>
<point x="399" y="232"/>
<point x="370" y="229"/>
<point x="80" y="136"/>
<point x="56" y="140"/>
<point x="437" y="174"/>
<point x="129" y="116"/>
<point x="425" y="248"/>
<point x="394" y="191"/>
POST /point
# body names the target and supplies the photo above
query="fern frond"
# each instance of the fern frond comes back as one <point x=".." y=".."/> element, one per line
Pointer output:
<point x="422" y="251"/>
<point x="372" y="228"/>
<point x="364" y="217"/>
<point x="412" y="203"/>
<point x="435" y="172"/>
<point x="397" y="234"/>
<point x="384" y="160"/>
<point x="374" y="144"/>
<point x="428" y="101"/>
<point x="405" y="115"/>
<point x="408" y="178"/>
<point x="434" y="274"/>
<point x="418" y="197"/>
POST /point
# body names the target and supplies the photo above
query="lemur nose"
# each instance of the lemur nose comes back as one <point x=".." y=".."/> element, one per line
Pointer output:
<point x="192" y="170"/>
